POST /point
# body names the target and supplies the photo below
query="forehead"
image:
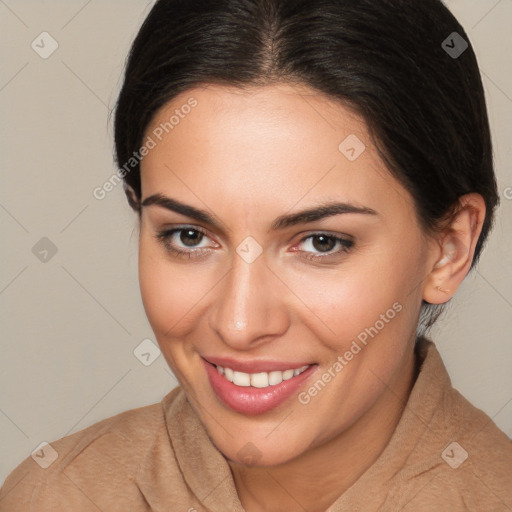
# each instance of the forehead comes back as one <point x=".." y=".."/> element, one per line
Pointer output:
<point x="284" y="143"/>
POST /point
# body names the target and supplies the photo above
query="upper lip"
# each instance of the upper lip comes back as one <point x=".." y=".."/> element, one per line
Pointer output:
<point x="254" y="366"/>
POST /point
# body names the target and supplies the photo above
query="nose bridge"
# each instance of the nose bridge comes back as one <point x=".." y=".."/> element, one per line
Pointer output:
<point x="245" y="310"/>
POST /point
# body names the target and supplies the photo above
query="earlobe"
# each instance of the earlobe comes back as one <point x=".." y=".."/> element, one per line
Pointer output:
<point x="436" y="290"/>
<point x="458" y="244"/>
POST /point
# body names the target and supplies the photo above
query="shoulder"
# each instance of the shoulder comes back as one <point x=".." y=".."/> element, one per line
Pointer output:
<point x="78" y="467"/>
<point x="477" y="459"/>
<point x="465" y="459"/>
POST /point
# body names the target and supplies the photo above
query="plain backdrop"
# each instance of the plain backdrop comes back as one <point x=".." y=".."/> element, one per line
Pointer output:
<point x="72" y="316"/>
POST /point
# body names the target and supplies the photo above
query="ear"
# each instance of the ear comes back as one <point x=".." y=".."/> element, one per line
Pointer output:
<point x="133" y="200"/>
<point x="454" y="250"/>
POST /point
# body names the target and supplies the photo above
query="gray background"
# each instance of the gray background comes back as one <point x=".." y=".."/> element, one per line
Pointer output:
<point x="71" y="324"/>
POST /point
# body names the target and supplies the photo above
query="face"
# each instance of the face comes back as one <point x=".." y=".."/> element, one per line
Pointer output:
<point x="231" y="276"/>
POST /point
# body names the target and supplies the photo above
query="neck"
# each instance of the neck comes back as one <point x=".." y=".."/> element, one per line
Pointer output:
<point x="316" y="478"/>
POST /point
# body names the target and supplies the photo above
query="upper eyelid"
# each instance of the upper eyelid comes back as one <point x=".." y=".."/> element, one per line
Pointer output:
<point x="307" y="235"/>
<point x="177" y="229"/>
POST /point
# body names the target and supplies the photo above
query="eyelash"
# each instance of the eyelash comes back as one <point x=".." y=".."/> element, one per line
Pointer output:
<point x="164" y="237"/>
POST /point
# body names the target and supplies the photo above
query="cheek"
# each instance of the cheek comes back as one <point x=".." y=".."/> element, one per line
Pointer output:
<point x="349" y="310"/>
<point x="167" y="292"/>
<point x="371" y="298"/>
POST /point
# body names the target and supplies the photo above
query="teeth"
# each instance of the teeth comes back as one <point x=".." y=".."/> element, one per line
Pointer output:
<point x="288" y="374"/>
<point x="259" y="380"/>
<point x="275" y="378"/>
<point x="241" y="379"/>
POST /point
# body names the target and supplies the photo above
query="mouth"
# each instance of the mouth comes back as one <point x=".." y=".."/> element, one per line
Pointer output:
<point x="260" y="379"/>
<point x="256" y="392"/>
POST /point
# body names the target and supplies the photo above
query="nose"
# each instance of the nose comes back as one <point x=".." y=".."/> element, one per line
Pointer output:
<point x="248" y="309"/>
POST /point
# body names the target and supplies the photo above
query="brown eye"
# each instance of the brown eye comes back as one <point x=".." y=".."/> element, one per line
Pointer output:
<point x="190" y="237"/>
<point x="324" y="243"/>
<point x="186" y="245"/>
<point x="321" y="246"/>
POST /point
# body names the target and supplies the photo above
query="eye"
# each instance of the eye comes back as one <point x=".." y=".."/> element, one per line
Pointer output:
<point x="183" y="241"/>
<point x="187" y="242"/>
<point x="325" y="244"/>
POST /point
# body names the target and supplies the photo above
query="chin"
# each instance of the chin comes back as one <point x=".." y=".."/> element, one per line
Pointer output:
<point x="253" y="454"/>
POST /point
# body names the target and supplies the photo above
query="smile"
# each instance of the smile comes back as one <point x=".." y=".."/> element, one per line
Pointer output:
<point x="261" y="379"/>
<point x="256" y="392"/>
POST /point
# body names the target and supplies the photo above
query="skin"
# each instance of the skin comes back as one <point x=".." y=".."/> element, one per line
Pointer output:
<point x="247" y="157"/>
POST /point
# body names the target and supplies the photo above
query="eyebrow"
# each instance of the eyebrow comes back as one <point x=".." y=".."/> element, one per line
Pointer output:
<point x="282" y="222"/>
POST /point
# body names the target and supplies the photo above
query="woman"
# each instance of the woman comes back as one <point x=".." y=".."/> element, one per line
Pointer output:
<point x="313" y="181"/>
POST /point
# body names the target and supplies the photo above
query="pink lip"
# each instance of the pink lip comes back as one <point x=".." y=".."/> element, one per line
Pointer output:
<point x="249" y="400"/>
<point x="255" y="366"/>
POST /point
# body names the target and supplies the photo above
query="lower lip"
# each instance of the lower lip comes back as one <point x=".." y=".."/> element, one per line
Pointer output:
<point x="250" y="400"/>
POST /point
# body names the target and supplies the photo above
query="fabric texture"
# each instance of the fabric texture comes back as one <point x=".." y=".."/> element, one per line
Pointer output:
<point x="444" y="455"/>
